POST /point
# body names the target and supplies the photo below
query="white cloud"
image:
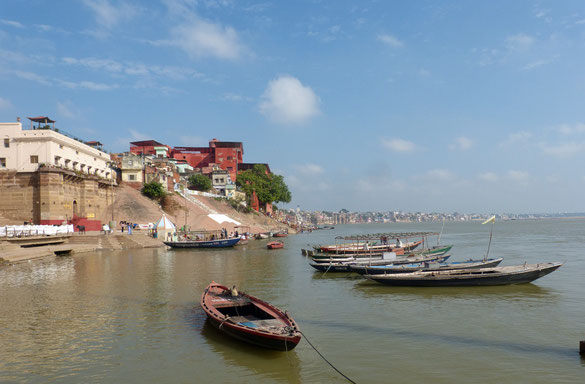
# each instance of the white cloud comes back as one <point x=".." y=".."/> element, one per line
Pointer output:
<point x="287" y="101"/>
<point x="567" y="129"/>
<point x="398" y="145"/>
<point x="519" y="42"/>
<point x="133" y="68"/>
<point x="390" y="40"/>
<point x="230" y="96"/>
<point x="424" y="72"/>
<point x="462" y="143"/>
<point x="124" y="142"/>
<point x="5" y="104"/>
<point x="440" y="175"/>
<point x="564" y="149"/>
<point x="94" y="63"/>
<point x="108" y="15"/>
<point x="90" y="85"/>
<point x="11" y="23"/>
<point x="518" y="176"/>
<point x="534" y="65"/>
<point x="201" y="38"/>
<point x="309" y="169"/>
<point x="516" y="138"/>
<point x="31" y="76"/>
<point x="67" y="109"/>
<point x="489" y="176"/>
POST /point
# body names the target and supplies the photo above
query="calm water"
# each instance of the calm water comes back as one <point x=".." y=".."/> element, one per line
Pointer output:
<point x="133" y="316"/>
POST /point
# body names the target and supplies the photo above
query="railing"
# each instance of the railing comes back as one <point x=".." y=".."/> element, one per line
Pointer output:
<point x="62" y="132"/>
<point x="12" y="231"/>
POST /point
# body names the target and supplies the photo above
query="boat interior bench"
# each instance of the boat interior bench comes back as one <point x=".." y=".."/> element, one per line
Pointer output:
<point x="254" y="322"/>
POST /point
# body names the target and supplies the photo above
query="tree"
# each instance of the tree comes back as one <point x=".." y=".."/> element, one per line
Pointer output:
<point x="153" y="190"/>
<point x="200" y="182"/>
<point x="269" y="188"/>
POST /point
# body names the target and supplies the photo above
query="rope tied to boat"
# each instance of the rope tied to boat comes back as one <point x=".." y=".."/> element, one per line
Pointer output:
<point x="327" y="361"/>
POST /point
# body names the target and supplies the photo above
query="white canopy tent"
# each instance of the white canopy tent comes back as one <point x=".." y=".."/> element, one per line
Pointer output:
<point x="164" y="226"/>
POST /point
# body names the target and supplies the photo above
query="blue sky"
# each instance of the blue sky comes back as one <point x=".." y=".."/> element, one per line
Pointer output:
<point x="368" y="105"/>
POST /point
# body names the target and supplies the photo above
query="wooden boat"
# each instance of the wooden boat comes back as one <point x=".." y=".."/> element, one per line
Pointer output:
<point x="364" y="269"/>
<point x="275" y="245"/>
<point x="515" y="274"/>
<point x="249" y="319"/>
<point x="280" y="234"/>
<point x="264" y="235"/>
<point x="363" y="248"/>
<point x="219" y="243"/>
<point x="345" y="265"/>
<point x="438" y="250"/>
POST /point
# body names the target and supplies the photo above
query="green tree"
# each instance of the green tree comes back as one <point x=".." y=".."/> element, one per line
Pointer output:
<point x="153" y="190"/>
<point x="269" y="188"/>
<point x="200" y="182"/>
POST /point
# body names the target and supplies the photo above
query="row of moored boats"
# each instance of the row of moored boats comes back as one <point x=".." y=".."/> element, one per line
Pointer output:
<point x="412" y="263"/>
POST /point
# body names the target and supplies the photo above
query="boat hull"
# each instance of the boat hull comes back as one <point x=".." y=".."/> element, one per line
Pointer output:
<point x="220" y="243"/>
<point x="346" y="266"/>
<point x="480" y="277"/>
<point x="282" y="343"/>
<point x="249" y="319"/>
<point x="436" y="251"/>
<point x="275" y="245"/>
<point x="407" y="268"/>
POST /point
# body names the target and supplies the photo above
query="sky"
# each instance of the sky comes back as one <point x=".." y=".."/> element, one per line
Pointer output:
<point x="430" y="106"/>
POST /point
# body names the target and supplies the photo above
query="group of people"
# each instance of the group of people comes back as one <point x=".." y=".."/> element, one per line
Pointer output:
<point x="224" y="234"/>
<point x="128" y="226"/>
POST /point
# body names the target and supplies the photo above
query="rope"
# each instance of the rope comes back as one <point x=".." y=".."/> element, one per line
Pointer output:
<point x="327" y="361"/>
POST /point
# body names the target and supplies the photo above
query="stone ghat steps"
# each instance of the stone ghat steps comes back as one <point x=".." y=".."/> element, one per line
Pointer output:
<point x="18" y="255"/>
<point x="117" y="241"/>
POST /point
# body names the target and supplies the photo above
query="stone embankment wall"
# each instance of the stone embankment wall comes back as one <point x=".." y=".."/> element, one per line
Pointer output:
<point x="53" y="195"/>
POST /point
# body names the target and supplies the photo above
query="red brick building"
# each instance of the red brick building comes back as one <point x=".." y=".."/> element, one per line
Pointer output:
<point x="226" y="154"/>
<point x="147" y="147"/>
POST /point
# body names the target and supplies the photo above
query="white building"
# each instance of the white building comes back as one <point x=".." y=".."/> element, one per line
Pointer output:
<point x="26" y="149"/>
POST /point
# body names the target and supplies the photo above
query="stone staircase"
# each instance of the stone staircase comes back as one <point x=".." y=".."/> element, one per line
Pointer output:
<point x="117" y="241"/>
<point x="200" y="204"/>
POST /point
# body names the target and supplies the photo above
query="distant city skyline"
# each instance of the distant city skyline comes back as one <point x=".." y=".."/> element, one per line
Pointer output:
<point x="369" y="106"/>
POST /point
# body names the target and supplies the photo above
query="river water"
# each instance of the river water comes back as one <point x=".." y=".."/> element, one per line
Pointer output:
<point x="133" y="316"/>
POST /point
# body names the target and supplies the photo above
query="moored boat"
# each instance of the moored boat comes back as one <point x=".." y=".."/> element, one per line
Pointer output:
<point x="264" y="235"/>
<point x="515" y="274"/>
<point x="275" y="245"/>
<point x="217" y="243"/>
<point x="249" y="319"/>
<point x="368" y="269"/>
<point x="436" y="251"/>
<point x="345" y="265"/>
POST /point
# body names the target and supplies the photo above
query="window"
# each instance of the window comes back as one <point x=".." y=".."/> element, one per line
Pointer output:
<point x="131" y="177"/>
<point x="2" y="162"/>
<point x="57" y="158"/>
<point x="6" y="143"/>
<point x="34" y="159"/>
<point x="230" y="158"/>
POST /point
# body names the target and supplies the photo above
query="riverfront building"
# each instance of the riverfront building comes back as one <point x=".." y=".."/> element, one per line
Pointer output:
<point x="225" y="154"/>
<point x="48" y="177"/>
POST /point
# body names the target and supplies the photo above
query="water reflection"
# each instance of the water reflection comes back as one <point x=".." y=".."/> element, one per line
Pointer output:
<point x="279" y="366"/>
<point x="529" y="291"/>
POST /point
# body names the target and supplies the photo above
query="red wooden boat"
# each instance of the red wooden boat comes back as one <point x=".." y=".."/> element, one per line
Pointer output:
<point x="275" y="245"/>
<point x="280" y="234"/>
<point x="249" y="319"/>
